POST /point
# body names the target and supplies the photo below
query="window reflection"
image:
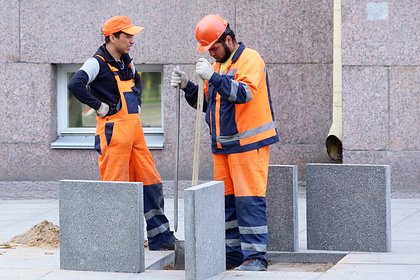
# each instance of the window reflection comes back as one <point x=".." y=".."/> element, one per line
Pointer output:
<point x="82" y="116"/>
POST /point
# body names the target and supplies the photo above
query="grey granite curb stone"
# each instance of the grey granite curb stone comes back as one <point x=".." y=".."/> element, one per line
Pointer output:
<point x="348" y="207"/>
<point x="282" y="208"/>
<point x="101" y="226"/>
<point x="204" y="230"/>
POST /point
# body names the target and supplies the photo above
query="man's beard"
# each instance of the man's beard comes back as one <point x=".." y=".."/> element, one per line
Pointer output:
<point x="228" y="52"/>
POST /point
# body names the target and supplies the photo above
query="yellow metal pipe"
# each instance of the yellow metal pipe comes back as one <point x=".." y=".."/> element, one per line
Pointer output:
<point x="335" y="135"/>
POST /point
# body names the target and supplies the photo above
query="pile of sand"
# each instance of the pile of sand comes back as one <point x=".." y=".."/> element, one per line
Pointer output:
<point x="42" y="235"/>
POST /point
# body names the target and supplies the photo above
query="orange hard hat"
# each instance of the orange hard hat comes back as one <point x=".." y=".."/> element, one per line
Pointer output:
<point x="208" y="31"/>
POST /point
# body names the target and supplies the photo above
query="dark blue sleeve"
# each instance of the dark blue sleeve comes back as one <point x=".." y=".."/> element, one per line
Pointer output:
<point x="77" y="86"/>
<point x="234" y="91"/>
<point x="191" y="91"/>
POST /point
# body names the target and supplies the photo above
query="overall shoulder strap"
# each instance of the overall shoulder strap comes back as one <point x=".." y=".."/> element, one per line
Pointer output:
<point x="113" y="69"/>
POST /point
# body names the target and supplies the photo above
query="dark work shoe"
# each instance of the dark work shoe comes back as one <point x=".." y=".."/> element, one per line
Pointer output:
<point x="251" y="265"/>
<point x="230" y="266"/>
<point x="166" y="247"/>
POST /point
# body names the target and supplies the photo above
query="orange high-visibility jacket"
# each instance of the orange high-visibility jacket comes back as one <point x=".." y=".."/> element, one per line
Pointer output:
<point x="238" y="104"/>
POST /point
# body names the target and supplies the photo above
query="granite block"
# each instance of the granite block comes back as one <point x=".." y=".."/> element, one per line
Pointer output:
<point x="38" y="162"/>
<point x="298" y="154"/>
<point x="168" y="33"/>
<point x="30" y="106"/>
<point x="9" y="31"/>
<point x="302" y="101"/>
<point x="404" y="103"/>
<point x="101" y="226"/>
<point x="282" y="208"/>
<point x="63" y="29"/>
<point x="187" y="132"/>
<point x="380" y="33"/>
<point x="348" y="207"/>
<point x="405" y="166"/>
<point x="308" y="39"/>
<point x="205" y="251"/>
<point x="299" y="31"/>
<point x="169" y="37"/>
<point x="165" y="162"/>
<point x="187" y="113"/>
<point x="365" y="108"/>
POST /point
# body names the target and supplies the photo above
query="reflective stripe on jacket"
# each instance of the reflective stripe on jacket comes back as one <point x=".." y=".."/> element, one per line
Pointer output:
<point x="238" y="104"/>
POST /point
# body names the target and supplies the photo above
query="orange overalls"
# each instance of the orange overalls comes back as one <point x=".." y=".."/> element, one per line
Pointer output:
<point x="241" y="120"/>
<point x="124" y="156"/>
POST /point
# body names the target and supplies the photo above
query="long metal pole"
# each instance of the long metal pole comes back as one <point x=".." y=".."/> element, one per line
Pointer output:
<point x="177" y="113"/>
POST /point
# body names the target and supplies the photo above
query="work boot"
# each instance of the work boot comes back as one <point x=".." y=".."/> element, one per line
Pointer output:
<point x="230" y="265"/>
<point x="251" y="265"/>
<point x="166" y="247"/>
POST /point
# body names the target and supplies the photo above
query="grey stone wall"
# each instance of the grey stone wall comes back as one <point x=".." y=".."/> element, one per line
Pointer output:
<point x="381" y="87"/>
<point x="294" y="38"/>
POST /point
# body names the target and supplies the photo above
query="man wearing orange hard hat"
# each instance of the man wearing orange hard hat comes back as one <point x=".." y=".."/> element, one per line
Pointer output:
<point x="240" y="116"/>
<point x="114" y="92"/>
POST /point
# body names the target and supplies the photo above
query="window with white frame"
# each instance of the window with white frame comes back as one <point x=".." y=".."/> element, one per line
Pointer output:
<point x="76" y="121"/>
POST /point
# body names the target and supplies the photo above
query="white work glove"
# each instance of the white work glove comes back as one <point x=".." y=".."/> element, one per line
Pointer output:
<point x="103" y="110"/>
<point x="204" y="69"/>
<point x="179" y="78"/>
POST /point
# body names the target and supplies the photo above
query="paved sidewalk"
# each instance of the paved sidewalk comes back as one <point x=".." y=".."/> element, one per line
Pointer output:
<point x="403" y="263"/>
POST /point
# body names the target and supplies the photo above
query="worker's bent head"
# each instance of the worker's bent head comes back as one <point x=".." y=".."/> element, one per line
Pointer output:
<point x="208" y="31"/>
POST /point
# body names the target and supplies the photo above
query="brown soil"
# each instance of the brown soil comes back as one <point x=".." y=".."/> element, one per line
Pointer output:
<point x="42" y="235"/>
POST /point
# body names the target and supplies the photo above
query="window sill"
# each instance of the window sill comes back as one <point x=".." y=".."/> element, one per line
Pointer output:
<point x="86" y="142"/>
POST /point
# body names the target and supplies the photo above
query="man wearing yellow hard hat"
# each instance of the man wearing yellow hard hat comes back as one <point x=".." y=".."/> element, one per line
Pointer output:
<point x="114" y="92"/>
<point x="240" y="116"/>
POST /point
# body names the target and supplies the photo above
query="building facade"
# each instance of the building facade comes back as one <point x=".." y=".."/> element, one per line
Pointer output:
<point x="42" y="137"/>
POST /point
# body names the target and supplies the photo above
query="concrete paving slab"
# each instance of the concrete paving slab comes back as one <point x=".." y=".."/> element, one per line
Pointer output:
<point x="29" y="258"/>
<point x="399" y="264"/>
<point x="406" y="203"/>
<point x="399" y="214"/>
<point x="160" y="275"/>
<point x="26" y="214"/>
<point x="381" y="258"/>
<point x="411" y="223"/>
<point x="269" y="275"/>
<point x="85" y="275"/>
<point x="371" y="272"/>
<point x="91" y="275"/>
<point x="23" y="274"/>
<point x="410" y="236"/>
<point x="407" y="247"/>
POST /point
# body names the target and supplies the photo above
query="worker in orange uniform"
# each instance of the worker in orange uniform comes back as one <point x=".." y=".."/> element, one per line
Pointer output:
<point x="114" y="92"/>
<point x="239" y="113"/>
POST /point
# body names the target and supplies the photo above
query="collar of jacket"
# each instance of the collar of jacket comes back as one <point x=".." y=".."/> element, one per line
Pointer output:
<point x="102" y="51"/>
<point x="238" y="52"/>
